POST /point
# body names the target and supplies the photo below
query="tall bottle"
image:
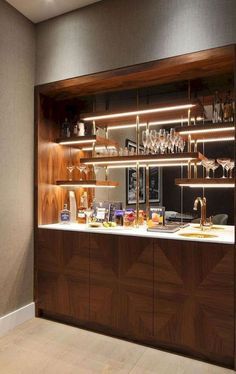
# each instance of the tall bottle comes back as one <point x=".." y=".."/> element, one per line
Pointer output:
<point x="228" y="108"/>
<point x="217" y="110"/>
<point x="73" y="207"/>
<point x="65" y="215"/>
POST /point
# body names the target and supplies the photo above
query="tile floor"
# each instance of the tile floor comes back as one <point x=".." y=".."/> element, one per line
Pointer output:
<point x="44" y="347"/>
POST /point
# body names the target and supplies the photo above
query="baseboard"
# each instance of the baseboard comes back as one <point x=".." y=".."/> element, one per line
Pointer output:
<point x="13" y="319"/>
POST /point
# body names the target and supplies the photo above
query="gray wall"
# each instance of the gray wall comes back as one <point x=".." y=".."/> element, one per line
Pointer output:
<point x="115" y="33"/>
<point x="17" y="61"/>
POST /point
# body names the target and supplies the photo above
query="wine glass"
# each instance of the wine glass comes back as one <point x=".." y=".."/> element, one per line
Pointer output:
<point x="88" y="213"/>
<point x="145" y="140"/>
<point x="153" y="134"/>
<point x="208" y="163"/>
<point x="70" y="169"/>
<point x="229" y="167"/>
<point x="96" y="170"/>
<point x="213" y="168"/>
<point x="81" y="169"/>
<point x="223" y="162"/>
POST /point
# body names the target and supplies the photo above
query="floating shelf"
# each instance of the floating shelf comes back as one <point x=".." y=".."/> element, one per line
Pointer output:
<point x="86" y="141"/>
<point x="208" y="132"/>
<point x="87" y="184"/>
<point x="167" y="111"/>
<point x="206" y="182"/>
<point x="175" y="159"/>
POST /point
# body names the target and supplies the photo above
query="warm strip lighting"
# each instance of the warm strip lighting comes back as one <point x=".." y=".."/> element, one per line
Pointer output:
<point x="205" y="131"/>
<point x="85" y="186"/>
<point x="98" y="148"/>
<point x="212" y="140"/>
<point x="208" y="185"/>
<point x="153" y="165"/>
<point x="152" y="123"/>
<point x="77" y="141"/>
<point x="139" y="112"/>
<point x="137" y="160"/>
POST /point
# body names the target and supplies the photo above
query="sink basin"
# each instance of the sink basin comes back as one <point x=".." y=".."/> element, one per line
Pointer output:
<point x="198" y="235"/>
<point x="209" y="228"/>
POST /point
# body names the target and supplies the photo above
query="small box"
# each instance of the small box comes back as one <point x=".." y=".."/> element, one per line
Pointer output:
<point x="156" y="216"/>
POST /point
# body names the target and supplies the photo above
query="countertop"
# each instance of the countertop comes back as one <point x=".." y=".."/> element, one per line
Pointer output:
<point x="222" y="234"/>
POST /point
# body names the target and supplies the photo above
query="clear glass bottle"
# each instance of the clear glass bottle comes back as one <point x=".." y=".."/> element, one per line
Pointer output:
<point x="65" y="215"/>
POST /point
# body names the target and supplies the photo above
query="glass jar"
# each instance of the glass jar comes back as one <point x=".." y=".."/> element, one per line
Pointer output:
<point x="129" y="218"/>
<point x="81" y="217"/>
<point x="140" y="217"/>
<point x="119" y="217"/>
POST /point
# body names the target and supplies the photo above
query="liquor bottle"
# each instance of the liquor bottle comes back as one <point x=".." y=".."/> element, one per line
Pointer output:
<point x="228" y="108"/>
<point x="65" y="129"/>
<point x="75" y="130"/>
<point x="217" y="110"/>
<point x="64" y="215"/>
<point x="73" y="207"/>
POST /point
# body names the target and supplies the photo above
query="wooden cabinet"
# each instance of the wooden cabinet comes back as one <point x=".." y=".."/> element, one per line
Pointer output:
<point x="104" y="281"/>
<point x="136" y="287"/>
<point x="121" y="284"/>
<point x="172" y="294"/>
<point x="194" y="299"/>
<point x="63" y="273"/>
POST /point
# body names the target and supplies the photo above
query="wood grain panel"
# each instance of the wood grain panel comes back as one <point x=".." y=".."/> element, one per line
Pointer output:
<point x="136" y="287"/>
<point x="104" y="281"/>
<point x="194" y="296"/>
<point x="189" y="66"/>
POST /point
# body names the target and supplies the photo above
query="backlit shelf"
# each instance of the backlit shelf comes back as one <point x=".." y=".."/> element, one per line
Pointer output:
<point x="87" y="184"/>
<point x="206" y="182"/>
<point x="87" y="142"/>
<point x="208" y="132"/>
<point x="175" y="159"/>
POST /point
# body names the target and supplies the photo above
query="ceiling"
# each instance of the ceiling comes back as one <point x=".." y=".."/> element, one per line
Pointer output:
<point x="41" y="10"/>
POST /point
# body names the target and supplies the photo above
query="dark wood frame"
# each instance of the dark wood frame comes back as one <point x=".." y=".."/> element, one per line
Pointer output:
<point x="189" y="66"/>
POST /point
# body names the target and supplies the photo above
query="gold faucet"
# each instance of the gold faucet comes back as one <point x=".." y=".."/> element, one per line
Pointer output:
<point x="203" y="220"/>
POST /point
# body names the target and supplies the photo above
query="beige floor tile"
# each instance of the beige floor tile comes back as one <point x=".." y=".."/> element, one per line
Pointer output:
<point x="45" y="347"/>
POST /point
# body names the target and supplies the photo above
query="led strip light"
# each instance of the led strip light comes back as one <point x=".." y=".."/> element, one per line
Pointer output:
<point x="139" y="112"/>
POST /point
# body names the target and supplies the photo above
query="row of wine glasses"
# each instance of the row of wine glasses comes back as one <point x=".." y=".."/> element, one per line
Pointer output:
<point x="83" y="169"/>
<point x="162" y="141"/>
<point x="226" y="163"/>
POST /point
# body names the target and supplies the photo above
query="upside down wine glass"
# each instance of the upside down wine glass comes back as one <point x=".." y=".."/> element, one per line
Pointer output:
<point x="70" y="169"/>
<point x="223" y="162"/>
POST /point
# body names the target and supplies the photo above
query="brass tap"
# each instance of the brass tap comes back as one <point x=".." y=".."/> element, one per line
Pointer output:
<point x="202" y="201"/>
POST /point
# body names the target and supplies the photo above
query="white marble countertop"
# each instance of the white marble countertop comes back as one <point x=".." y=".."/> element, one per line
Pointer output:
<point x="222" y="234"/>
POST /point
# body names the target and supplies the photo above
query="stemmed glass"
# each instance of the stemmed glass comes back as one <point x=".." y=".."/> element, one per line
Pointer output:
<point x="229" y="167"/>
<point x="70" y="169"/>
<point x="213" y="168"/>
<point x="223" y="162"/>
<point x="88" y="213"/>
<point x="208" y="163"/>
<point x="145" y="135"/>
<point x="153" y="135"/>
<point x="81" y="169"/>
<point x="96" y="170"/>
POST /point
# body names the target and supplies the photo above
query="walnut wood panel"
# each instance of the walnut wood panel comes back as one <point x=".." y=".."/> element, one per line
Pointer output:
<point x="194" y="299"/>
<point x="104" y="281"/>
<point x="136" y="287"/>
<point x="52" y="160"/>
<point x="189" y="66"/>
<point x="63" y="273"/>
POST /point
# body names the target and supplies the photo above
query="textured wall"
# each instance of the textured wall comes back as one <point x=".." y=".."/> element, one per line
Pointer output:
<point x="115" y="33"/>
<point x="17" y="61"/>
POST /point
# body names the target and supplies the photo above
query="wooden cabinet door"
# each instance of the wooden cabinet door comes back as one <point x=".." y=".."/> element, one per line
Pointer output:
<point x="104" y="282"/>
<point x="63" y="273"/>
<point x="136" y="287"/>
<point x="48" y="278"/>
<point x="75" y="273"/>
<point x="194" y="299"/>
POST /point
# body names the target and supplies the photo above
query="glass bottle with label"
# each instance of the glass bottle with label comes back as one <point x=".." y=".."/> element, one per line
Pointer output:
<point x="64" y="216"/>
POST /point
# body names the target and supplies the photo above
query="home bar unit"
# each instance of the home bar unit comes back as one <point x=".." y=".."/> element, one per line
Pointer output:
<point x="147" y="152"/>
